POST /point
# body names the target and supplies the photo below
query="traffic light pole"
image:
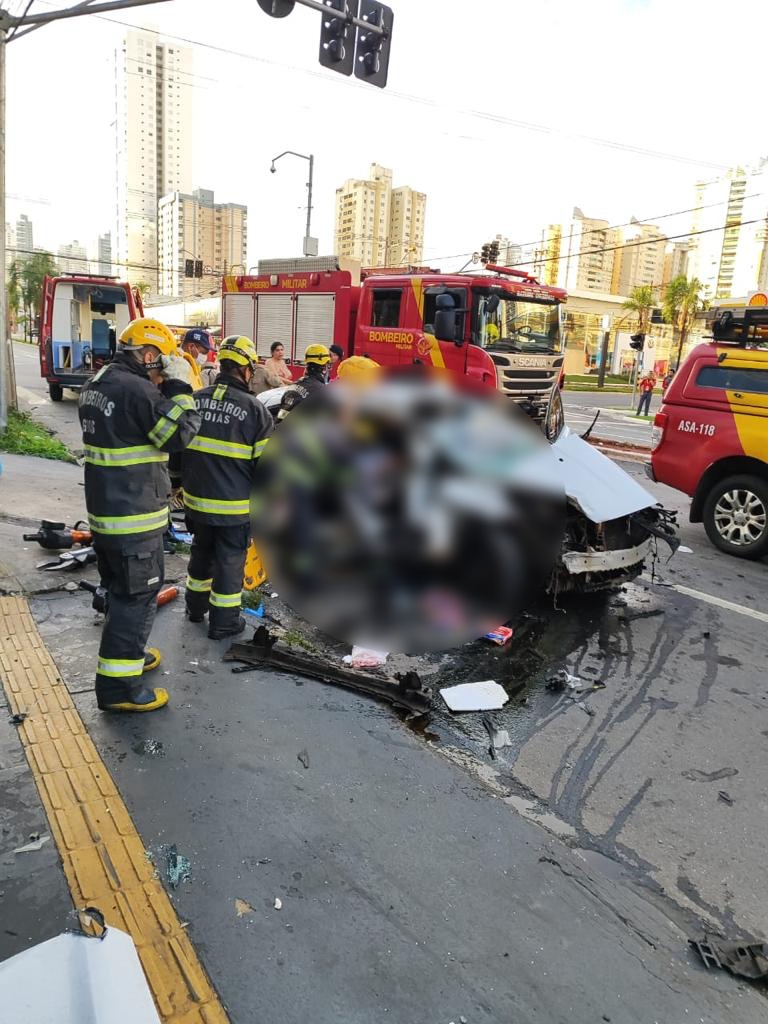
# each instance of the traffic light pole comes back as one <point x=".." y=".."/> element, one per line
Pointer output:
<point x="331" y="12"/>
<point x="9" y="30"/>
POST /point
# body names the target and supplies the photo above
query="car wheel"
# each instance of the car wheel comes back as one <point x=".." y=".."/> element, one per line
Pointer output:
<point x="736" y="516"/>
<point x="56" y="391"/>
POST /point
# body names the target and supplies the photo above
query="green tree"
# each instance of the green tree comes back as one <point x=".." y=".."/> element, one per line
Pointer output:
<point x="682" y="301"/>
<point x="13" y="295"/>
<point x="143" y="289"/>
<point x="33" y="272"/>
<point x="642" y="302"/>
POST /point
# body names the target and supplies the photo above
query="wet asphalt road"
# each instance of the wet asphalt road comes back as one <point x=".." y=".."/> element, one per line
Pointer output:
<point x="403" y="858"/>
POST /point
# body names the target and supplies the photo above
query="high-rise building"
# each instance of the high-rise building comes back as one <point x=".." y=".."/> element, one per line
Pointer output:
<point x="729" y="241"/>
<point x="153" y="146"/>
<point x="104" y="254"/>
<point x="640" y="261"/>
<point x="73" y="259"/>
<point x="579" y="255"/>
<point x="195" y="228"/>
<point x="676" y="262"/>
<point x="25" y="242"/>
<point x="509" y="252"/>
<point x="378" y="225"/>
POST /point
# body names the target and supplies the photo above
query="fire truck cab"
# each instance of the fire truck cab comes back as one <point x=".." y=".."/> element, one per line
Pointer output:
<point x="499" y="326"/>
<point x="80" y="319"/>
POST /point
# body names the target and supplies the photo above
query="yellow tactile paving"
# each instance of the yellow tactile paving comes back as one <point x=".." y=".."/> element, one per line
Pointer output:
<point x="104" y="858"/>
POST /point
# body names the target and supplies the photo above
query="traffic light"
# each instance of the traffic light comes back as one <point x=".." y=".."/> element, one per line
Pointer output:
<point x="637" y="342"/>
<point x="372" y="50"/>
<point x="485" y="253"/>
<point x="493" y="251"/>
<point x="198" y="268"/>
<point x="189" y="268"/>
<point x="337" y="37"/>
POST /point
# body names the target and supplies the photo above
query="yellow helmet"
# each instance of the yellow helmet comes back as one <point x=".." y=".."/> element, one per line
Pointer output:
<point x="146" y="331"/>
<point x="240" y="350"/>
<point x="319" y="354"/>
<point x="357" y="368"/>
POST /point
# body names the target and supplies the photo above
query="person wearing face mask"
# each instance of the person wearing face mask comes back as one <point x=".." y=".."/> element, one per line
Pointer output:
<point x="196" y="347"/>
<point x="217" y="478"/>
<point x="133" y="413"/>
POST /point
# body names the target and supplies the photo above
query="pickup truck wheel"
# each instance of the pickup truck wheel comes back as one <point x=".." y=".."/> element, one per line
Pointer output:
<point x="56" y="391"/>
<point x="736" y="516"/>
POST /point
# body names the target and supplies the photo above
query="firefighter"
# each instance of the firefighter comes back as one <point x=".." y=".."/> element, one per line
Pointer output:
<point x="317" y="360"/>
<point x="196" y="348"/>
<point x="217" y="480"/>
<point x="135" y="411"/>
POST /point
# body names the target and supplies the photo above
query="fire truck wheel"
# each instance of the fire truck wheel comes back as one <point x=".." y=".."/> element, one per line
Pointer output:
<point x="736" y="516"/>
<point x="56" y="391"/>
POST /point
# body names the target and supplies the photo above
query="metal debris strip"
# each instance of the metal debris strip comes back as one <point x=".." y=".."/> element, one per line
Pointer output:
<point x="36" y="842"/>
<point x="303" y="756"/>
<point x="177" y="867"/>
<point x="744" y="959"/>
<point x="404" y="690"/>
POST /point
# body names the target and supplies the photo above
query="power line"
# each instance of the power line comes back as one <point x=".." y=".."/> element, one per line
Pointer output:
<point x="423" y="100"/>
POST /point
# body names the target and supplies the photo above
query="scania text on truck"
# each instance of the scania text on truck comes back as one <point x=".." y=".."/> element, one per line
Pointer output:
<point x="80" y="319"/>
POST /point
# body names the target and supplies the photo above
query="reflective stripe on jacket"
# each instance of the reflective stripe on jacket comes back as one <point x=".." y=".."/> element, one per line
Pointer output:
<point x="129" y="428"/>
<point x="218" y="465"/>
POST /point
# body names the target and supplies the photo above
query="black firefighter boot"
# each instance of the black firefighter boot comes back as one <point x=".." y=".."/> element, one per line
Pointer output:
<point x="224" y="622"/>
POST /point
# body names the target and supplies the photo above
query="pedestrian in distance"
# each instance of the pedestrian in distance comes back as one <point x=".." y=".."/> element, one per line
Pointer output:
<point x="217" y="475"/>
<point x="647" y="384"/>
<point x="277" y="370"/>
<point x="667" y="381"/>
<point x="133" y="413"/>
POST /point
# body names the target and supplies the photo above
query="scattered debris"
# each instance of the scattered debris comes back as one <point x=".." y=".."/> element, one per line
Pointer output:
<point x="562" y="680"/>
<point x="365" y="657"/>
<point x="499" y="737"/>
<point x="36" y="842"/>
<point x="706" y="634"/>
<point x="177" y="867"/>
<point x="405" y="690"/>
<point x="155" y="748"/>
<point x="254" y="613"/>
<point x="278" y="903"/>
<point x="501" y="635"/>
<point x="483" y="696"/>
<point x="725" y="797"/>
<point x="242" y="907"/>
<point x="274" y="595"/>
<point x="745" y="959"/>
<point x="585" y="707"/>
<point x="303" y="756"/>
<point x="685" y="550"/>
<point x="19" y="717"/>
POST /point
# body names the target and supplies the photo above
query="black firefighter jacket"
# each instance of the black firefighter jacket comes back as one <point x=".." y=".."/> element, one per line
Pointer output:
<point x="218" y="465"/>
<point x="129" y="426"/>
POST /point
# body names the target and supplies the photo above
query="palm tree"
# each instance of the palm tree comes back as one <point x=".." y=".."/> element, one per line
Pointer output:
<point x="34" y="271"/>
<point x="682" y="301"/>
<point x="642" y="302"/>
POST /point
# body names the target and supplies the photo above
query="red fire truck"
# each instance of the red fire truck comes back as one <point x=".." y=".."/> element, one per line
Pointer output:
<point x="499" y="326"/>
<point x="80" y="319"/>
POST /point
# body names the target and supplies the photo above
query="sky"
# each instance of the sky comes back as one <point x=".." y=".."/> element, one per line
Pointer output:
<point x="506" y="113"/>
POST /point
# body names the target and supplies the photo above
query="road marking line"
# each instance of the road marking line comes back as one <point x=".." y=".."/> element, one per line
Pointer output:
<point x="718" y="602"/>
<point x="103" y="856"/>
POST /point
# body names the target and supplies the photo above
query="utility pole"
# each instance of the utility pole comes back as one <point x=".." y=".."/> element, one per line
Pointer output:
<point x="310" y="246"/>
<point x="10" y="27"/>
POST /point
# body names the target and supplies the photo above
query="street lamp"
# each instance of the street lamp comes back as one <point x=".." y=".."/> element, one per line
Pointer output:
<point x="310" y="243"/>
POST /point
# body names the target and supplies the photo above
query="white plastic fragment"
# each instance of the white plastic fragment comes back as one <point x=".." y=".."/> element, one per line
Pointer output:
<point x="36" y="844"/>
<point x="685" y="550"/>
<point x="278" y="903"/>
<point x="86" y="981"/>
<point x="483" y="696"/>
<point x="365" y="657"/>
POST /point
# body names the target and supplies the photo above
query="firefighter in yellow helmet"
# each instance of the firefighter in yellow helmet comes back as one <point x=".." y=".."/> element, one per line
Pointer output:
<point x="217" y="477"/>
<point x="133" y="413"/>
<point x="358" y="369"/>
<point x="317" y="364"/>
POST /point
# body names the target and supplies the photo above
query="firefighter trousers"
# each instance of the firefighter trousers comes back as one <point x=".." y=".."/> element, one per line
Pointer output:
<point x="131" y="570"/>
<point x="216" y="564"/>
